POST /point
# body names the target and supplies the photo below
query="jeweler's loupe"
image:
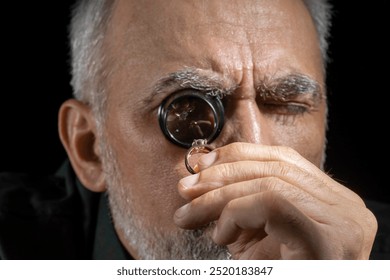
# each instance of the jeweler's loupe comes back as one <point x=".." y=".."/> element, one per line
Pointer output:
<point x="189" y="115"/>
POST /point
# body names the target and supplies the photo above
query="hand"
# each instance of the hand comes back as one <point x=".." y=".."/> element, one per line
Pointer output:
<point x="271" y="203"/>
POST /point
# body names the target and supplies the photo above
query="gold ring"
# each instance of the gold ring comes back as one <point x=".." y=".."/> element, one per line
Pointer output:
<point x="198" y="147"/>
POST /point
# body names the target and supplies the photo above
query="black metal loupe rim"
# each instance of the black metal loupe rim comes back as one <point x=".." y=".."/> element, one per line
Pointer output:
<point x="214" y="103"/>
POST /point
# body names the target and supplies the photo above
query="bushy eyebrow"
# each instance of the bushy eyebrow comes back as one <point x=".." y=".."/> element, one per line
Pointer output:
<point x="212" y="84"/>
<point x="280" y="88"/>
<point x="289" y="86"/>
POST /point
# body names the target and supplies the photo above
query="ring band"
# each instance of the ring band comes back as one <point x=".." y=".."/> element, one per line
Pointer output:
<point x="196" y="149"/>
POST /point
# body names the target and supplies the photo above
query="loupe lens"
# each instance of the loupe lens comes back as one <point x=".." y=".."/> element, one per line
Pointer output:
<point x="190" y="115"/>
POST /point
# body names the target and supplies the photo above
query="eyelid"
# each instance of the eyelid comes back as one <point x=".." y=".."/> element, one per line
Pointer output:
<point x="285" y="108"/>
<point x="304" y="99"/>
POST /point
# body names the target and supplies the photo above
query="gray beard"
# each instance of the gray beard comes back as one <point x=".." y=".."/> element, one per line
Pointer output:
<point x="149" y="241"/>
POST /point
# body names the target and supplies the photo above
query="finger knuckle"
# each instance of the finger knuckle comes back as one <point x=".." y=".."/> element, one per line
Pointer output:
<point x="272" y="202"/>
<point x="287" y="151"/>
<point x="282" y="168"/>
<point x="233" y="148"/>
<point x="224" y="171"/>
<point x="270" y="183"/>
<point x="231" y="206"/>
<point x="370" y="224"/>
<point x="354" y="239"/>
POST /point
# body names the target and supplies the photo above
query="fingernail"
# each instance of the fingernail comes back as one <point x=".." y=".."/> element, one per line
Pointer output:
<point x="181" y="212"/>
<point x="208" y="159"/>
<point x="214" y="234"/>
<point x="196" y="168"/>
<point x="189" y="181"/>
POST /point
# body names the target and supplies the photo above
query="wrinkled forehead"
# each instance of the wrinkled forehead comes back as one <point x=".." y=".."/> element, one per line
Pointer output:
<point x="169" y="16"/>
<point x="214" y="34"/>
<point x="183" y="21"/>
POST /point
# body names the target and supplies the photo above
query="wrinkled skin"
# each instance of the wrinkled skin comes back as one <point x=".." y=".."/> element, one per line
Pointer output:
<point x="263" y="185"/>
<point x="271" y="203"/>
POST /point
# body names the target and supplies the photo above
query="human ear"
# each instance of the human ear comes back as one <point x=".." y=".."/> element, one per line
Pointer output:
<point x="78" y="135"/>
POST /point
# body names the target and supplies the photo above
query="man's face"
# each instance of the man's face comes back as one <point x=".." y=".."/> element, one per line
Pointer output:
<point x="252" y="46"/>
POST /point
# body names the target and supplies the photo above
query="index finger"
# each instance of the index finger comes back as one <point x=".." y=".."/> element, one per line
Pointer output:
<point x="235" y="152"/>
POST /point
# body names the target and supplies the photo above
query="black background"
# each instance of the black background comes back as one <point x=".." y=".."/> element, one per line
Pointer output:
<point x="35" y="81"/>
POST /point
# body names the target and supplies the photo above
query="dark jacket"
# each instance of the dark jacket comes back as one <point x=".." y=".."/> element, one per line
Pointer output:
<point x="55" y="217"/>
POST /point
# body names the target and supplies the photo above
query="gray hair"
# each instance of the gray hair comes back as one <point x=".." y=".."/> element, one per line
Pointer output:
<point x="89" y="22"/>
<point x="321" y="13"/>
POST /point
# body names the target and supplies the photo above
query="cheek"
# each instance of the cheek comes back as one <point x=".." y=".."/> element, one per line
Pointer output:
<point x="150" y="166"/>
<point x="307" y="137"/>
<point x="311" y="144"/>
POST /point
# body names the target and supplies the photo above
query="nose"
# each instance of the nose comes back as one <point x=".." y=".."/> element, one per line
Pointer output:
<point x="244" y="122"/>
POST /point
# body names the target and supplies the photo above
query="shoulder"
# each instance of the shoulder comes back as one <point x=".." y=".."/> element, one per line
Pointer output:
<point x="40" y="196"/>
<point x="381" y="210"/>
<point x="41" y="217"/>
<point x="27" y="194"/>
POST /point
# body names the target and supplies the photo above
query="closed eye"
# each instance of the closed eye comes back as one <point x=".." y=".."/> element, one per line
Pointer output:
<point x="291" y="95"/>
<point x="283" y="108"/>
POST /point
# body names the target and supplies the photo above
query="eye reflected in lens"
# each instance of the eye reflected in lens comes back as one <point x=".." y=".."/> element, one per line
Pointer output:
<point x="190" y="118"/>
<point x="190" y="114"/>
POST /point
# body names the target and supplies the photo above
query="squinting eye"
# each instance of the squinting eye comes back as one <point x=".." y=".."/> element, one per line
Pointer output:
<point x="284" y="108"/>
<point x="189" y="115"/>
